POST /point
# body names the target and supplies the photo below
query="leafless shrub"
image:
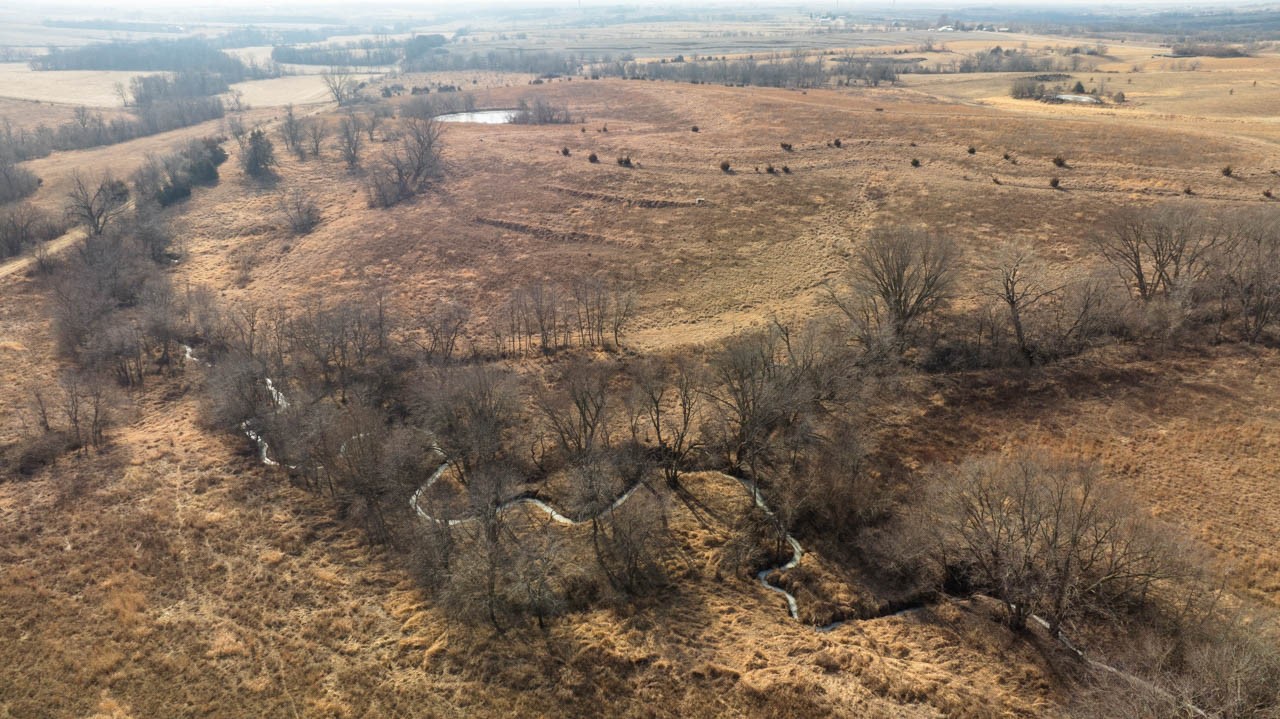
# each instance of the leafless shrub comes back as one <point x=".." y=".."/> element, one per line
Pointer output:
<point x="23" y="226"/>
<point x="300" y="211"/>
<point x="1047" y="537"/>
<point x="350" y="139"/>
<point x="409" y="167"/>
<point x="314" y="132"/>
<point x="291" y="131"/>
<point x="16" y="181"/>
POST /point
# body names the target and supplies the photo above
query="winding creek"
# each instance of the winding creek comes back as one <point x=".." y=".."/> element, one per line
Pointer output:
<point x="797" y="551"/>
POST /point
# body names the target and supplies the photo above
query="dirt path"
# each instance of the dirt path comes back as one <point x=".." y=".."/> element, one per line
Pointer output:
<point x="19" y="265"/>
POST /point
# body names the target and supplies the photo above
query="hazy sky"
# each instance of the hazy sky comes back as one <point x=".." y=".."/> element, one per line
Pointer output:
<point x="125" y="7"/>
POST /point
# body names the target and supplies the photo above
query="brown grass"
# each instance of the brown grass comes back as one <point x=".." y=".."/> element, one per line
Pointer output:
<point x="178" y="577"/>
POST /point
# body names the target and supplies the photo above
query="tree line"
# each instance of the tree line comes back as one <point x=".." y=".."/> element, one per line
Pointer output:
<point x="93" y="129"/>
<point x="177" y="55"/>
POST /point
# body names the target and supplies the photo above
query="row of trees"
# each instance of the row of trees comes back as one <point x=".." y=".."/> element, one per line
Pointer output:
<point x="797" y="69"/>
<point x="544" y="317"/>
<point x="1164" y="271"/>
<point x="191" y="54"/>
<point x="93" y="129"/>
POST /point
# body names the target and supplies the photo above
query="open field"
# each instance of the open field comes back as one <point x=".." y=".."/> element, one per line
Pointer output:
<point x="173" y="574"/>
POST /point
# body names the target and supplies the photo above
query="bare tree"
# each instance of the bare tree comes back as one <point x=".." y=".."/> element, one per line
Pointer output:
<point x="1016" y="280"/>
<point x="237" y="130"/>
<point x="95" y="205"/>
<point x="1249" y="275"/>
<point x="291" y="131"/>
<point x="901" y="275"/>
<point x="577" y="415"/>
<point x="443" y="326"/>
<point x="668" y="401"/>
<point x="471" y="410"/>
<point x="1160" y="250"/>
<point x="341" y="84"/>
<point x="350" y="141"/>
<point x="315" y="131"/>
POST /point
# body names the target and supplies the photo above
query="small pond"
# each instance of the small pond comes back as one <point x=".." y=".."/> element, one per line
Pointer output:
<point x="487" y="117"/>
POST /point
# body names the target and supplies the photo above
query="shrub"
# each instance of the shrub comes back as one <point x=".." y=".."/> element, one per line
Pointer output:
<point x="173" y="193"/>
<point x="786" y="146"/>
<point x="1059" y="162"/>
<point x="837" y="142"/>
<point x="593" y="158"/>
<point x="259" y="155"/>
<point x="1187" y="190"/>
<point x="300" y="211"/>
<point x="725" y="166"/>
<point x="786" y="170"/>
<point x="770" y="169"/>
<point x="1266" y="194"/>
<point x="1054" y="183"/>
<point x="972" y="150"/>
<point x="1226" y="171"/>
<point x="16" y="182"/>
<point x="40" y="450"/>
<point x="694" y="128"/>
<point x="22" y="226"/>
<point x="625" y="161"/>
<point x="564" y="151"/>
<point x="915" y="162"/>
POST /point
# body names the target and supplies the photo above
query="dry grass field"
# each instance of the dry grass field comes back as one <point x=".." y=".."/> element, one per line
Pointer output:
<point x="174" y="575"/>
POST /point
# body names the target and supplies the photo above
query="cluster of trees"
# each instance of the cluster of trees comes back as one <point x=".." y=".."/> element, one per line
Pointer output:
<point x="180" y="55"/>
<point x="444" y="103"/>
<point x="23" y="226"/>
<point x="148" y="90"/>
<point x="410" y="161"/>
<point x="376" y="402"/>
<point x="360" y="53"/>
<point x="537" y="62"/>
<point x="302" y="136"/>
<point x="540" y="112"/>
<point x="543" y="317"/>
<point x="93" y="129"/>
<point x="169" y="179"/>
<point x="16" y="181"/>
<point x="797" y="69"/>
<point x="1168" y="271"/>
<point x="115" y="315"/>
<point x="1000" y="60"/>
<point x="365" y="404"/>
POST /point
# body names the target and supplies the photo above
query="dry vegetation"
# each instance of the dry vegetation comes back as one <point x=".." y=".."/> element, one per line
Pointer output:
<point x="920" y="369"/>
